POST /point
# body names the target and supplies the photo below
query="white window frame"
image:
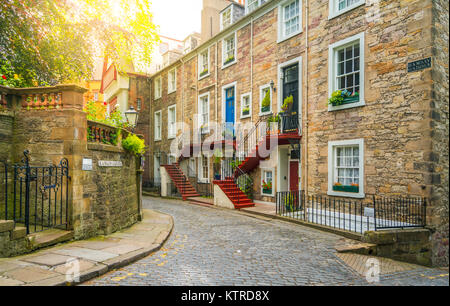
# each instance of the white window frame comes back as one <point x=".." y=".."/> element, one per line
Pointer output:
<point x="261" y="97"/>
<point x="138" y="104"/>
<point x="333" y="10"/>
<point x="230" y="9"/>
<point x="247" y="11"/>
<point x="249" y="95"/>
<point x="224" y="53"/>
<point x="201" y="64"/>
<point x="281" y="23"/>
<point x="158" y="89"/>
<point x="273" y="181"/>
<point x="332" y="55"/>
<point x="201" y="179"/>
<point x="158" y="137"/>
<point x="169" y="129"/>
<point x="172" y="88"/>
<point x="331" y="167"/>
<point x="200" y="115"/>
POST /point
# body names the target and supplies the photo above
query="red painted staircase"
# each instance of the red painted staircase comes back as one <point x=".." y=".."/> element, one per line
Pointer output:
<point x="253" y="159"/>
<point x="181" y="182"/>
<point x="236" y="196"/>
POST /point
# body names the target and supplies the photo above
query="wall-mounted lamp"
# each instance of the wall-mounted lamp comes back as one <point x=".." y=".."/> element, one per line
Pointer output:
<point x="272" y="86"/>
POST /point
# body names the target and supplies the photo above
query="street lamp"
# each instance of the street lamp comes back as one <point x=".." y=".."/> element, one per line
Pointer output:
<point x="132" y="116"/>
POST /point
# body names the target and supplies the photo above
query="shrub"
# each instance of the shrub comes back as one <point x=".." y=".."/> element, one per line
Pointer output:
<point x="266" y="101"/>
<point x="134" y="144"/>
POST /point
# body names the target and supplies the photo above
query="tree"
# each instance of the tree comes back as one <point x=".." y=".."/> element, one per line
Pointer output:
<point x="45" y="42"/>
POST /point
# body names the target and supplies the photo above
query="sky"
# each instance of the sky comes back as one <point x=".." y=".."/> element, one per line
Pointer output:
<point x="177" y="18"/>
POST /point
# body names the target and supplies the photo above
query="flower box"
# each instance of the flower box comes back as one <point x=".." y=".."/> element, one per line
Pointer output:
<point x="348" y="100"/>
<point x="346" y="188"/>
<point x="203" y="73"/>
<point x="245" y="112"/>
<point x="229" y="60"/>
<point x="265" y="109"/>
<point x="267" y="191"/>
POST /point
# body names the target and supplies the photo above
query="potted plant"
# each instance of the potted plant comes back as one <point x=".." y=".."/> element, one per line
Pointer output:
<point x="340" y="97"/>
<point x="267" y="187"/>
<point x="287" y="104"/>
<point x="272" y="123"/>
<point x="229" y="59"/>
<point x="265" y="104"/>
<point x="204" y="72"/>
<point x="246" y="111"/>
<point x="353" y="187"/>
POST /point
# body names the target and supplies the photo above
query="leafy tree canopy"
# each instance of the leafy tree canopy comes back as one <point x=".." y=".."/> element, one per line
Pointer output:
<point x="45" y="42"/>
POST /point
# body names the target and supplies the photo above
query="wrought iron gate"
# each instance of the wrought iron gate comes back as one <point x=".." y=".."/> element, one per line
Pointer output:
<point x="35" y="197"/>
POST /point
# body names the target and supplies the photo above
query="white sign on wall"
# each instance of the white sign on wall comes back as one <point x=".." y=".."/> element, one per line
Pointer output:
<point x="87" y="164"/>
<point x="109" y="163"/>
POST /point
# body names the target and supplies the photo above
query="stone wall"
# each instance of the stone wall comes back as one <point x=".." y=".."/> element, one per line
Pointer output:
<point x="438" y="157"/>
<point x="110" y="194"/>
<point x="13" y="240"/>
<point x="101" y="201"/>
<point x="6" y="133"/>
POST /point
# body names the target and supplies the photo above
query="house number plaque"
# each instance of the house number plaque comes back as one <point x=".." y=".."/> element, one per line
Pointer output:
<point x="110" y="163"/>
<point x="419" y="65"/>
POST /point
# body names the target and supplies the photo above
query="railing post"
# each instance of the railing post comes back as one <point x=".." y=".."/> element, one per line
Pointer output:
<point x="374" y="212"/>
<point x="27" y="191"/>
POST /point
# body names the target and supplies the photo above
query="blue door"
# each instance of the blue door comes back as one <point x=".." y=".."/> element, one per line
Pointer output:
<point x="229" y="110"/>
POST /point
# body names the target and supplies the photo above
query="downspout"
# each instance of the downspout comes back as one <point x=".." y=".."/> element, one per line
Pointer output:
<point x="216" y="88"/>
<point x="251" y="64"/>
<point x="306" y="99"/>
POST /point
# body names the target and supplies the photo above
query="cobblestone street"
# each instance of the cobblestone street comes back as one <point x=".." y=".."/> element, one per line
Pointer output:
<point x="220" y="247"/>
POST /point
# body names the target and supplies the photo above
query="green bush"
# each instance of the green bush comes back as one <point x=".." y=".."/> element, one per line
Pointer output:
<point x="134" y="144"/>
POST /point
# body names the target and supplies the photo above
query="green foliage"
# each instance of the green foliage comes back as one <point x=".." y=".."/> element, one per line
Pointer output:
<point x="229" y="59"/>
<point x="134" y="144"/>
<point x="273" y="119"/>
<point x="47" y="42"/>
<point x="266" y="101"/>
<point x="287" y="102"/>
<point x="338" y="96"/>
<point x="217" y="156"/>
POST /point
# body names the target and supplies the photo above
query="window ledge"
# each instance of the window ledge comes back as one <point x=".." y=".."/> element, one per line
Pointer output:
<point x="360" y="195"/>
<point x="157" y="139"/>
<point x="229" y="64"/>
<point x="284" y="38"/>
<point x="204" y="76"/>
<point x="170" y="92"/>
<point x="332" y="108"/>
<point x="265" y="114"/>
<point x="333" y="15"/>
<point x="157" y="98"/>
<point x="246" y="116"/>
<point x="170" y="136"/>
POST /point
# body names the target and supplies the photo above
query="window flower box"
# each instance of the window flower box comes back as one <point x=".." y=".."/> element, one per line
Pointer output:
<point x="204" y="72"/>
<point x="346" y="188"/>
<point x="267" y="191"/>
<point x="246" y="111"/>
<point x="265" y="109"/>
<point x="339" y="97"/>
<point x="229" y="60"/>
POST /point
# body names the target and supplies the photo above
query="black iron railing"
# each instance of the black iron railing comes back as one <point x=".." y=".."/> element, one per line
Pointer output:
<point x="353" y="215"/>
<point x="35" y="197"/>
<point x="153" y="186"/>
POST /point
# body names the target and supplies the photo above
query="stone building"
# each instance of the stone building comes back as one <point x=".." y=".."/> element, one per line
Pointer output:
<point x="388" y="137"/>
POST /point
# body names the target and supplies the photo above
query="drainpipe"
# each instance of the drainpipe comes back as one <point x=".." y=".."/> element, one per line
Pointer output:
<point x="216" y="88"/>
<point x="251" y="64"/>
<point x="306" y="102"/>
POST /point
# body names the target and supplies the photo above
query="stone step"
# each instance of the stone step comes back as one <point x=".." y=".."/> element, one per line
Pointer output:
<point x="49" y="237"/>
<point x="359" y="248"/>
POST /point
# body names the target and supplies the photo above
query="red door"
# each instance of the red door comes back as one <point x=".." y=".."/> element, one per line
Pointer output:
<point x="293" y="175"/>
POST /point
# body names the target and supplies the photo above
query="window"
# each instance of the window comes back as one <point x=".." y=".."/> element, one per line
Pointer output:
<point x="158" y="88"/>
<point x="267" y="187"/>
<point x="252" y="5"/>
<point x="204" y="169"/>
<point x="246" y="105"/>
<point x="346" y="71"/>
<point x="229" y="51"/>
<point x="265" y="100"/>
<point x="345" y="168"/>
<point x="171" y="114"/>
<point x="203" y="112"/>
<point x="96" y="96"/>
<point x="138" y="104"/>
<point x="225" y="17"/>
<point x="158" y="125"/>
<point x="289" y="19"/>
<point x="172" y="81"/>
<point x="338" y="7"/>
<point x="203" y="64"/>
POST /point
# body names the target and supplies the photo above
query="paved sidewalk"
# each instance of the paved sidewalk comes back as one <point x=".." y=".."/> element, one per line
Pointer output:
<point x="92" y="258"/>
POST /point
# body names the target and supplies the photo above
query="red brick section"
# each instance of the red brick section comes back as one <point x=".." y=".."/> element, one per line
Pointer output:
<point x="236" y="196"/>
<point x="181" y="182"/>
